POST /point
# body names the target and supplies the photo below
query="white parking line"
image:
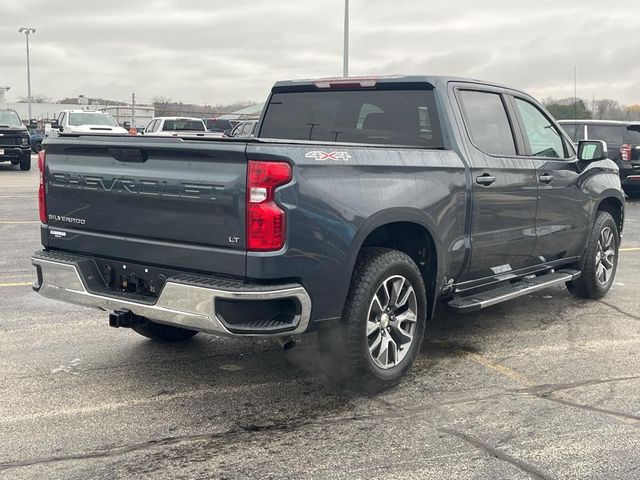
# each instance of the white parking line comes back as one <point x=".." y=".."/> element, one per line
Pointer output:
<point x="16" y="284"/>
<point x="19" y="222"/>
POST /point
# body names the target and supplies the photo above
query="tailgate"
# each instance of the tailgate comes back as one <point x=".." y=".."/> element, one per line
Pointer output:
<point x="166" y="201"/>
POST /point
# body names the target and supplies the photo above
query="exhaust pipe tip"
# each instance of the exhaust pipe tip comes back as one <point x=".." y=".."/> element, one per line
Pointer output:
<point x="287" y="343"/>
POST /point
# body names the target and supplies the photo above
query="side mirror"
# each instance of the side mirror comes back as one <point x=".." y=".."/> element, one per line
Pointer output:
<point x="126" y="125"/>
<point x="55" y="124"/>
<point x="33" y="124"/>
<point x="592" y="150"/>
<point x="227" y="133"/>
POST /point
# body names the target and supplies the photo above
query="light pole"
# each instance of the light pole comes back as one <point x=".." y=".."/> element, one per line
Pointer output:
<point x="345" y="58"/>
<point x="28" y="31"/>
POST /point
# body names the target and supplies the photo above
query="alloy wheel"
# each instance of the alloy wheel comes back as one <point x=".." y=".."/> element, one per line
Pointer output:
<point x="605" y="256"/>
<point x="391" y="322"/>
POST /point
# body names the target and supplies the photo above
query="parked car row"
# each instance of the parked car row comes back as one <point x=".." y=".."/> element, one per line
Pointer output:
<point x="17" y="141"/>
<point x="623" y="141"/>
<point x="211" y="127"/>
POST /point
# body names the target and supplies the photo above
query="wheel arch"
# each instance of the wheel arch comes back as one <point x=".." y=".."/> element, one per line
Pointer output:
<point x="613" y="205"/>
<point x="409" y="231"/>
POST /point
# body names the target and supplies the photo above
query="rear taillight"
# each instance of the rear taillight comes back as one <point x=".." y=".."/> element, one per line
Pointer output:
<point x="42" y="198"/>
<point x="265" y="219"/>
<point x="625" y="152"/>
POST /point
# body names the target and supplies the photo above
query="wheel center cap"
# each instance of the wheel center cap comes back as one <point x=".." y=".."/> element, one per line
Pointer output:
<point x="384" y="320"/>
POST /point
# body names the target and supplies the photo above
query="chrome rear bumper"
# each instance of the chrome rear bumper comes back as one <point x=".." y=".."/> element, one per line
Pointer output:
<point x="187" y="301"/>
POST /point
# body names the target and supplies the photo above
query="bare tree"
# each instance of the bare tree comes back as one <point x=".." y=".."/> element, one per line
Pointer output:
<point x="36" y="99"/>
<point x="607" y="109"/>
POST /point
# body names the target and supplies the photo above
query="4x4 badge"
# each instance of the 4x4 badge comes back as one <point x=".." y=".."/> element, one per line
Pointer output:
<point x="320" y="155"/>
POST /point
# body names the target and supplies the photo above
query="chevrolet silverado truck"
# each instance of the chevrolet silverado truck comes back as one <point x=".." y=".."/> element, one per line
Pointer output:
<point x="359" y="207"/>
<point x="15" y="146"/>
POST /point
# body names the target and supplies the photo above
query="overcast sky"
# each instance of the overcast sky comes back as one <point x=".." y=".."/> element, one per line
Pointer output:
<point x="212" y="51"/>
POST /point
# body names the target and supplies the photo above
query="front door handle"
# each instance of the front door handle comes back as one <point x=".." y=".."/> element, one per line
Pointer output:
<point x="546" y="178"/>
<point x="485" y="179"/>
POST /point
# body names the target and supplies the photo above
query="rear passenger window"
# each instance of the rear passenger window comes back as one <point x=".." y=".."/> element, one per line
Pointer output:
<point x="544" y="138"/>
<point x="487" y="122"/>
<point x="612" y="134"/>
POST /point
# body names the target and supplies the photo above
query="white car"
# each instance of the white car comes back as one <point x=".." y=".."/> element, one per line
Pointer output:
<point x="83" y="121"/>
<point x="178" y="126"/>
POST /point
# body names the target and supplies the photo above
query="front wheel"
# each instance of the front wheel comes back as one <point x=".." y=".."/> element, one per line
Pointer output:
<point x="25" y="163"/>
<point x="383" y="323"/>
<point x="600" y="261"/>
<point x="162" y="333"/>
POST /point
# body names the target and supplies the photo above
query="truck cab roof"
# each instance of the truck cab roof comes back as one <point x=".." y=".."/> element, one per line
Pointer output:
<point x="428" y="81"/>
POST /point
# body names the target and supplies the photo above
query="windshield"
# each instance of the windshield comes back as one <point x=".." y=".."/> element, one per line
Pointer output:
<point x="9" y="118"/>
<point x="183" y="126"/>
<point x="88" y="118"/>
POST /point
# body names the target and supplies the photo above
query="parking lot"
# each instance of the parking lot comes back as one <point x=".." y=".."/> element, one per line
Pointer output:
<point x="545" y="387"/>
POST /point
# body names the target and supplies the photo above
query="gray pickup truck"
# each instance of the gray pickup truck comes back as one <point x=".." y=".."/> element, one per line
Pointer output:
<point x="361" y="205"/>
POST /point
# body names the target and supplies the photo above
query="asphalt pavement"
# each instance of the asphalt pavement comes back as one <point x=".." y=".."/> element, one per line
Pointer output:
<point x="544" y="387"/>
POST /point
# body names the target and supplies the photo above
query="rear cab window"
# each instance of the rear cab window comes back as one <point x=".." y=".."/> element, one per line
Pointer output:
<point x="183" y="125"/>
<point x="217" y="125"/>
<point x="403" y="117"/>
<point x="612" y="134"/>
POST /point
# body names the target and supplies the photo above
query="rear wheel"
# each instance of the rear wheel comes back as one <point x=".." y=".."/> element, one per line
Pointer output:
<point x="163" y="333"/>
<point x="600" y="260"/>
<point x="383" y="324"/>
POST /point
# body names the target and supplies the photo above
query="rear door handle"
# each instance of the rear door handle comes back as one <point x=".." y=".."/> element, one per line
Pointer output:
<point x="546" y="178"/>
<point x="485" y="179"/>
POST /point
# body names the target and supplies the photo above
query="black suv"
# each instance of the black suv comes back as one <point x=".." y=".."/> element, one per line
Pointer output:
<point x="15" y="145"/>
<point x="623" y="140"/>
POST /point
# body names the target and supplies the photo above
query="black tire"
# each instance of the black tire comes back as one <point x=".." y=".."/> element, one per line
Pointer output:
<point x="591" y="284"/>
<point x="37" y="147"/>
<point x="25" y="163"/>
<point x="163" y="333"/>
<point x="632" y="192"/>
<point x="346" y="345"/>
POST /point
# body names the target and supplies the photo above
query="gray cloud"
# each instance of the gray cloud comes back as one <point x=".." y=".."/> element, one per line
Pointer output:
<point x="213" y="51"/>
